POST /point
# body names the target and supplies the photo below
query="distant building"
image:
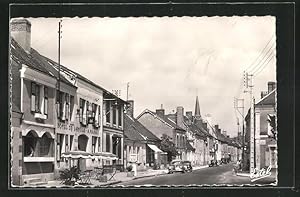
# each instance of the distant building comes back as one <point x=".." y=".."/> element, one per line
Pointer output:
<point x="140" y="145"/>
<point x="160" y="124"/>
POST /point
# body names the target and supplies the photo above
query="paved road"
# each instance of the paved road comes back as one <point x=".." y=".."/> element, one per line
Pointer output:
<point x="214" y="175"/>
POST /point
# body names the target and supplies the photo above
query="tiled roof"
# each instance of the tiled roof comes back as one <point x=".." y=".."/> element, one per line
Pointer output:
<point x="269" y="99"/>
<point x="134" y="130"/>
<point x="165" y="118"/>
<point x="34" y="60"/>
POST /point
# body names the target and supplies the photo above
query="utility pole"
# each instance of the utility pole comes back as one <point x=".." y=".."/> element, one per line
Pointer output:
<point x="59" y="37"/>
<point x="237" y="106"/>
<point x="248" y="79"/>
<point x="127" y="90"/>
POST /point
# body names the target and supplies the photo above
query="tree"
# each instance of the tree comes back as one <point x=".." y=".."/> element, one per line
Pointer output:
<point x="273" y="127"/>
<point x="168" y="146"/>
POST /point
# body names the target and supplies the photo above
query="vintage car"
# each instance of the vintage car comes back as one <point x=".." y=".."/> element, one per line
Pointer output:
<point x="176" y="166"/>
<point x="180" y="166"/>
<point x="187" y="166"/>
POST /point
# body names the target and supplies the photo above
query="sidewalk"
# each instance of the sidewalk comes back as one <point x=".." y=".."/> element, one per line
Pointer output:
<point x="118" y="178"/>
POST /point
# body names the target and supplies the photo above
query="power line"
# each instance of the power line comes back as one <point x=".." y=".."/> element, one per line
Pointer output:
<point x="264" y="61"/>
<point x="270" y="51"/>
<point x="255" y="74"/>
<point x="247" y="69"/>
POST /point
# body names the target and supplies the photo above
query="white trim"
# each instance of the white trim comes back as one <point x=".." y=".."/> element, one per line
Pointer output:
<point x="265" y="96"/>
<point x="38" y="77"/>
<point x="38" y="124"/>
<point x="262" y="136"/>
<point x="38" y="159"/>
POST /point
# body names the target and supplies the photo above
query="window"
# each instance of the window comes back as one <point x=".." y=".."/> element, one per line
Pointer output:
<point x="67" y="106"/>
<point x="71" y="107"/>
<point x="114" y="115"/>
<point x="71" y="141"/>
<point x="46" y="100"/>
<point x="59" y="146"/>
<point x="99" y="144"/>
<point x="177" y="140"/>
<point x="120" y="115"/>
<point x="107" y="112"/>
<point x="107" y="143"/>
<point x="94" y="140"/>
<point x="35" y="97"/>
<point x="44" y="145"/>
<point x="99" y="115"/>
<point x="86" y="112"/>
<point x="81" y="107"/>
<point x="29" y="145"/>
<point x="94" y="114"/>
<point x="61" y="106"/>
<point x="67" y="143"/>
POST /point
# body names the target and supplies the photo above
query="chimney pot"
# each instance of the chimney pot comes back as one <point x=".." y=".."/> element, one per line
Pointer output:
<point x="160" y="112"/>
<point x="21" y="31"/>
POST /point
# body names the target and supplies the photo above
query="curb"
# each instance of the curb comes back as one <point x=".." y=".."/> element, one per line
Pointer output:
<point x="243" y="174"/>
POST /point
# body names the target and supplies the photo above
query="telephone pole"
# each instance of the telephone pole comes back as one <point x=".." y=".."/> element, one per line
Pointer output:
<point x="59" y="37"/>
<point x="127" y="90"/>
<point x="238" y="107"/>
<point x="248" y="79"/>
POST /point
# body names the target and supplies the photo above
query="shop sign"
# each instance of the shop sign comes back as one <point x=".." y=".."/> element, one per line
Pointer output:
<point x="75" y="129"/>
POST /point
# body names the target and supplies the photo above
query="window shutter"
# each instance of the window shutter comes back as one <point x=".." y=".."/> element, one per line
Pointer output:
<point x="96" y="114"/>
<point x="32" y="97"/>
<point x="45" y="100"/>
<point x="84" y="112"/>
<point x="67" y="109"/>
<point x="99" y="115"/>
<point x="37" y="98"/>
<point x="63" y="117"/>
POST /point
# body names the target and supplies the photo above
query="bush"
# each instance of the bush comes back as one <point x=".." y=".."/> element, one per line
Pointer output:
<point x="70" y="176"/>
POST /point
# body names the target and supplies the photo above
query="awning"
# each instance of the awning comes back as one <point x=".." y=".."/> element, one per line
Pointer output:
<point x="154" y="148"/>
<point x="77" y="155"/>
<point x="86" y="155"/>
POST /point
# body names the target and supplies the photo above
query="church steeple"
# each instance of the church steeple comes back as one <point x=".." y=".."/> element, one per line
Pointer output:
<point x="197" y="109"/>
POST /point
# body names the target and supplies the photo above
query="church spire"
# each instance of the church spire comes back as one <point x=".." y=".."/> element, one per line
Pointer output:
<point x="197" y="109"/>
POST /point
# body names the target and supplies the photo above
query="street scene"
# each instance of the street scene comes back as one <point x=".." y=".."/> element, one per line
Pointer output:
<point x="113" y="102"/>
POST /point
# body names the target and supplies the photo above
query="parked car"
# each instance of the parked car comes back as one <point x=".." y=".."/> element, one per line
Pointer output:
<point x="176" y="166"/>
<point x="187" y="166"/>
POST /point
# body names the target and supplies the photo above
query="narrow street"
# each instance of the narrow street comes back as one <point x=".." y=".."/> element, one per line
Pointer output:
<point x="213" y="175"/>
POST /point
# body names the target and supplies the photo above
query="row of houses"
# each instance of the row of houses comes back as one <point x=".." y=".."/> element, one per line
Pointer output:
<point x="55" y="110"/>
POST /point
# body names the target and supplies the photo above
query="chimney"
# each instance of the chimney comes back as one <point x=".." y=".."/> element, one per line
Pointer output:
<point x="263" y="94"/>
<point x="130" y="108"/>
<point x="179" y="116"/>
<point x="160" y="112"/>
<point x="271" y="86"/>
<point x="217" y="128"/>
<point x="21" y="31"/>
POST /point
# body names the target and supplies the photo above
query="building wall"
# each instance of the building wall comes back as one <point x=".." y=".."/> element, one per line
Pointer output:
<point x="156" y="126"/>
<point x="135" y="152"/>
<point x="28" y="114"/>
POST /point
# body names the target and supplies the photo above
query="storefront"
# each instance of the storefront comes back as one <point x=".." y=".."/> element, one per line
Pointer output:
<point x="38" y="153"/>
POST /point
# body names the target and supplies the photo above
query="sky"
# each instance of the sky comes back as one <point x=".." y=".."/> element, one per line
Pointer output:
<point x="167" y="60"/>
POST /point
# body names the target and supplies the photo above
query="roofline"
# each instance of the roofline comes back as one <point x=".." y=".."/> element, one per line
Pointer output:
<point x="150" y="112"/>
<point x="266" y="96"/>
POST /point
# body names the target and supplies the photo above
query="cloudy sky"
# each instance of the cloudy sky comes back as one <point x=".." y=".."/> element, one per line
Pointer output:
<point x="167" y="60"/>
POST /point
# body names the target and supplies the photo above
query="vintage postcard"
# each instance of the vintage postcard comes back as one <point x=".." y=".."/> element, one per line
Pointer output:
<point x="143" y="101"/>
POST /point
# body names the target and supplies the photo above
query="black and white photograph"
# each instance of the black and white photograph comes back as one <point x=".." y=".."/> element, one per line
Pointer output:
<point x="143" y="101"/>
